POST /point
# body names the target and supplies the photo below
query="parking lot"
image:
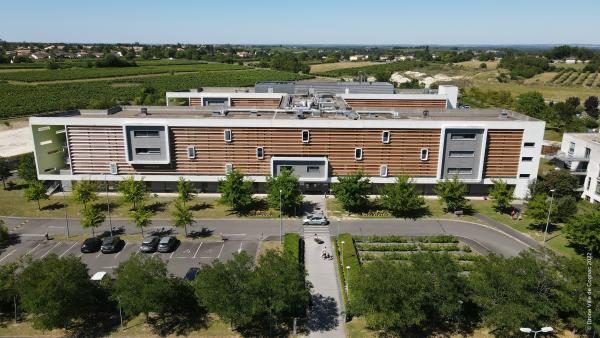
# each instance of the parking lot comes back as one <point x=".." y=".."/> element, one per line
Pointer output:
<point x="188" y="253"/>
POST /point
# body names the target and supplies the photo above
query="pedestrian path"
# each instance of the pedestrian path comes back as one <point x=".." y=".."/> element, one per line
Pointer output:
<point x="325" y="318"/>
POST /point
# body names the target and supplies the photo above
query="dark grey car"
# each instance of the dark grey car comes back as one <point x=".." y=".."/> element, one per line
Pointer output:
<point x="111" y="244"/>
<point x="167" y="244"/>
<point x="150" y="244"/>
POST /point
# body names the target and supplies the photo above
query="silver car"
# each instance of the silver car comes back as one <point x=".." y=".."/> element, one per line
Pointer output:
<point x="315" y="220"/>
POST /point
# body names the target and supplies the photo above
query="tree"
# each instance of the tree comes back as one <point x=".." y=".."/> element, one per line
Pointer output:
<point x="85" y="192"/>
<point x="4" y="171"/>
<point x="141" y="217"/>
<point x="8" y="287"/>
<point x="452" y="193"/>
<point x="591" y="106"/>
<point x="182" y="216"/>
<point x="133" y="191"/>
<point x="236" y="192"/>
<point x="287" y="184"/>
<point x="352" y="191"/>
<point x="184" y="190"/>
<point x="561" y="181"/>
<point x="566" y="207"/>
<point x="531" y="103"/>
<point x="483" y="65"/>
<point x="402" y="198"/>
<point x="537" y="208"/>
<point x="583" y="232"/>
<point x="4" y="236"/>
<point x="92" y="218"/>
<point x="27" y="169"/>
<point x="36" y="191"/>
<point x="426" y="295"/>
<point x="139" y="284"/>
<point x="515" y="292"/>
<point x="501" y="195"/>
<point x="56" y="291"/>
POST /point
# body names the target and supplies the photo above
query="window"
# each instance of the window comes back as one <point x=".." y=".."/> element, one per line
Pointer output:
<point x="305" y="136"/>
<point x="424" y="154"/>
<point x="385" y="136"/>
<point x="383" y="170"/>
<point x="460" y="171"/>
<point x="313" y="169"/>
<point x="571" y="148"/>
<point x="588" y="151"/>
<point x="529" y="144"/>
<point x="526" y="159"/>
<point x="462" y="136"/>
<point x="461" y="153"/>
<point x="228" y="168"/>
<point x="598" y="189"/>
<point x="113" y="169"/>
<point x="358" y="154"/>
<point x="260" y="153"/>
<point x="147" y="151"/>
<point x="145" y="133"/>
<point x="191" y="152"/>
<point x="524" y="175"/>
<point x="228" y="135"/>
<point x="589" y="182"/>
<point x="285" y="167"/>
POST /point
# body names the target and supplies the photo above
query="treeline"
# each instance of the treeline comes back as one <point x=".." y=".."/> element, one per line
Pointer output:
<point x="566" y="51"/>
<point x="429" y="295"/>
<point x="254" y="300"/>
<point x="288" y="61"/>
<point x="524" y="66"/>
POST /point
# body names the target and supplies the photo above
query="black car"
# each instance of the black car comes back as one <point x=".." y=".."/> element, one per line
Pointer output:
<point x="150" y="244"/>
<point x="191" y="274"/>
<point x="91" y="245"/>
<point x="111" y="244"/>
<point x="167" y="244"/>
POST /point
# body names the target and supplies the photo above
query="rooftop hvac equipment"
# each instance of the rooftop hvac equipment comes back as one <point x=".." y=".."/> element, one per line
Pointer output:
<point x="396" y="114"/>
<point x="425" y="113"/>
<point x="300" y="116"/>
<point x="503" y="114"/>
<point x="352" y="115"/>
<point x="143" y="111"/>
<point x="217" y="113"/>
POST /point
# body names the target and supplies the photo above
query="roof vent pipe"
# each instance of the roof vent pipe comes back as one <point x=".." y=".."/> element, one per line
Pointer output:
<point x="425" y="113"/>
<point x="503" y="114"/>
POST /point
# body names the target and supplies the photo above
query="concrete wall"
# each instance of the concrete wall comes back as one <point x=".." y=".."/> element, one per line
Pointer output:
<point x="454" y="146"/>
<point x="50" y="149"/>
<point x="136" y="143"/>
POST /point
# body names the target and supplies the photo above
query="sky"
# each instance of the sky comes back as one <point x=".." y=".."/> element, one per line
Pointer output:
<point x="370" y="22"/>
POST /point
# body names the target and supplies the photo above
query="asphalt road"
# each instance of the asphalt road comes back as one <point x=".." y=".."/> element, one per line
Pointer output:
<point x="490" y="238"/>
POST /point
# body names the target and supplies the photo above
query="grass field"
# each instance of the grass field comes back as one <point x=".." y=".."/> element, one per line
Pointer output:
<point x="325" y="67"/>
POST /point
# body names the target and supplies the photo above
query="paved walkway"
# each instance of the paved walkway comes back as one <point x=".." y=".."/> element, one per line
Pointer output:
<point x="505" y="228"/>
<point x="325" y="317"/>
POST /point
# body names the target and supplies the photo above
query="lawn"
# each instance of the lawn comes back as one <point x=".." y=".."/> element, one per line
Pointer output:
<point x="13" y="203"/>
<point x="553" y="135"/>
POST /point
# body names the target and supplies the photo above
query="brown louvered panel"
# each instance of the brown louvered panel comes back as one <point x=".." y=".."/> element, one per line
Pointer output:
<point x="396" y="103"/>
<point x="503" y="152"/>
<point x="258" y="102"/>
<point x="92" y="148"/>
<point x="401" y="154"/>
<point x="195" y="101"/>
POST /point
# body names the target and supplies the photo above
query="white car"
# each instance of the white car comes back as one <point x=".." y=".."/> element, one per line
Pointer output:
<point x="315" y="220"/>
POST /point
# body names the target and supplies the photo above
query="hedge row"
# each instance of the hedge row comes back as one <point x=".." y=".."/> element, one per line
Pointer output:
<point x="291" y="245"/>
<point x="405" y="239"/>
<point x="350" y="256"/>
<point x="399" y="256"/>
<point x="412" y="247"/>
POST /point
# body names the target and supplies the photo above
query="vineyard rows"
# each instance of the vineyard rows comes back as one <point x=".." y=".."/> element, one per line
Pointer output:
<point x="374" y="69"/>
<point x="571" y="77"/>
<point x="93" y="73"/>
<point x="22" y="100"/>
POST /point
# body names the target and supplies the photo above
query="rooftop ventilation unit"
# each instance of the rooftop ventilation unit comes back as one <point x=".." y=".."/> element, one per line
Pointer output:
<point x="143" y="111"/>
<point x="300" y="116"/>
<point x="503" y="114"/>
<point x="425" y="113"/>
<point x="218" y="113"/>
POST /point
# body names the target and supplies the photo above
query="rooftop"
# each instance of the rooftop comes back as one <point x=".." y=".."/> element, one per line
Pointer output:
<point x="222" y="112"/>
<point x="590" y="137"/>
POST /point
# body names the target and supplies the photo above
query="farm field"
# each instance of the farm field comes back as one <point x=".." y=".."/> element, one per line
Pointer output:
<point x="23" y="100"/>
<point x="326" y="67"/>
<point x="94" y="73"/>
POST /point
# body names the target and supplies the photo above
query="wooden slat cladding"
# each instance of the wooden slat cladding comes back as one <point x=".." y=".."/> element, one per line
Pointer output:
<point x="503" y="152"/>
<point x="195" y="101"/>
<point x="402" y="154"/>
<point x="396" y="103"/>
<point x="258" y="102"/>
<point x="92" y="148"/>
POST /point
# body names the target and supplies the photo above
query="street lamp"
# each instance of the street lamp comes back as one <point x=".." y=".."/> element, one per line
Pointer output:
<point x="280" y="219"/>
<point x="66" y="215"/>
<point x="339" y="221"/>
<point x="108" y="206"/>
<point x="549" y="211"/>
<point x="543" y="330"/>
<point x="343" y="242"/>
<point x="346" y="279"/>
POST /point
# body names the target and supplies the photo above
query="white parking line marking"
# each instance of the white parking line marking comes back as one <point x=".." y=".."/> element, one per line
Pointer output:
<point x="47" y="252"/>
<point x="220" y="251"/>
<point x="198" y="249"/>
<point x="32" y="250"/>
<point x="80" y="254"/>
<point x="99" y="253"/>
<point x="240" y="249"/>
<point x="68" y="250"/>
<point x="206" y="257"/>
<point x="171" y="256"/>
<point x="32" y="235"/>
<point x="10" y="253"/>
<point x="234" y="234"/>
<point x="56" y="226"/>
<point x="154" y="253"/>
<point x="118" y="253"/>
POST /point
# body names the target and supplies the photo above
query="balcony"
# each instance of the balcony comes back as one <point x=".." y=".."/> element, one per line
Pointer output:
<point x="564" y="157"/>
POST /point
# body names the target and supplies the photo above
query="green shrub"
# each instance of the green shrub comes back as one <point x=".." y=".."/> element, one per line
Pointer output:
<point x="405" y="239"/>
<point x="291" y="245"/>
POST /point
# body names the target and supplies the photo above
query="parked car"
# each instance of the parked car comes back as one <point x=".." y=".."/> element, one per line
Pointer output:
<point x="167" y="244"/>
<point x="191" y="274"/>
<point x="315" y="220"/>
<point x="150" y="244"/>
<point x="111" y="244"/>
<point x="91" y="245"/>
